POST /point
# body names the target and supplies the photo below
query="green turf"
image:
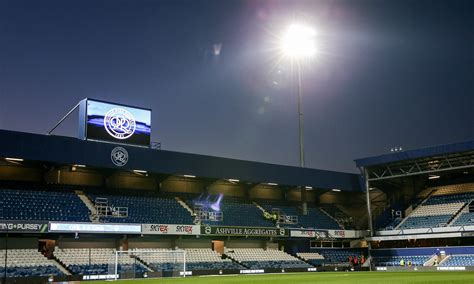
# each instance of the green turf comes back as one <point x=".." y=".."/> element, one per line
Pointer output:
<point x="321" y="277"/>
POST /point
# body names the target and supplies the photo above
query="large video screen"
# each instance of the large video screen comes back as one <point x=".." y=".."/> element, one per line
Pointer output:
<point x="118" y="123"/>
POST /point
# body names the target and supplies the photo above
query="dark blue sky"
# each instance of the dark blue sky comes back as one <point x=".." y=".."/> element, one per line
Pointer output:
<point x="389" y="73"/>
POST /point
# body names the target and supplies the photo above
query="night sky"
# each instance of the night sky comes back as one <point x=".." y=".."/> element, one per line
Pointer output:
<point x="388" y="73"/>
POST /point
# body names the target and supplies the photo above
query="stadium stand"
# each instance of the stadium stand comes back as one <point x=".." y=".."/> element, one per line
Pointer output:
<point x="42" y="205"/>
<point x="459" y="260"/>
<point x="441" y="207"/>
<point x="27" y="263"/>
<point x="146" y="209"/>
<point x="258" y="258"/>
<point x="196" y="259"/>
<point x="414" y="260"/>
<point x="95" y="261"/>
<point x="238" y="212"/>
<point x="315" y="219"/>
<point x="338" y="255"/>
<point x="313" y="258"/>
<point x="465" y="219"/>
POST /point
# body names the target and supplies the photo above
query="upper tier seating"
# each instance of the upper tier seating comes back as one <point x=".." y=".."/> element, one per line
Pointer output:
<point x="42" y="205"/>
<point x="453" y="189"/>
<point x="258" y="258"/>
<point x="437" y="210"/>
<point x="146" y="209"/>
<point x="315" y="219"/>
<point x="416" y="260"/>
<point x="459" y="260"/>
<point x="27" y="263"/>
<point x="196" y="259"/>
<point x="237" y="212"/>
<point x="312" y="257"/>
<point x="93" y="261"/>
<point x="425" y="222"/>
<point x="440" y="209"/>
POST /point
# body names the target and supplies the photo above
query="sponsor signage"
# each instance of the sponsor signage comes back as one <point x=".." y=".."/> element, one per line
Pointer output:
<point x="251" y="271"/>
<point x="308" y="234"/>
<point x="55" y="227"/>
<point x="23" y="227"/>
<point x="167" y="229"/>
<point x="244" y="231"/>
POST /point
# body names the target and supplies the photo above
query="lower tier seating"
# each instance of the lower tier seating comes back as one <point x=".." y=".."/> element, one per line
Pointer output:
<point x="459" y="260"/>
<point x="27" y="263"/>
<point x="339" y="256"/>
<point x="196" y="259"/>
<point x="258" y="258"/>
<point x="415" y="260"/>
<point x="313" y="258"/>
<point x="95" y="261"/>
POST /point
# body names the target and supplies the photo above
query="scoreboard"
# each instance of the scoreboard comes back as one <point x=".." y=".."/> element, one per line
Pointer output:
<point x="111" y="122"/>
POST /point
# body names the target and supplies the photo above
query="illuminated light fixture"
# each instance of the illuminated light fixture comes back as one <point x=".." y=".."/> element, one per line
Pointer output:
<point x="233" y="180"/>
<point x="189" y="176"/>
<point x="14" y="159"/>
<point x="335" y="190"/>
<point x="371" y="188"/>
<point x="79" y="166"/>
<point x="433" y="177"/>
<point x="298" y="42"/>
<point x="140" y="171"/>
<point x="309" y="187"/>
<point x="272" y="183"/>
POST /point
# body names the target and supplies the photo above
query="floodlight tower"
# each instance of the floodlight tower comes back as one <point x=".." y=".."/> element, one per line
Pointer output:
<point x="298" y="43"/>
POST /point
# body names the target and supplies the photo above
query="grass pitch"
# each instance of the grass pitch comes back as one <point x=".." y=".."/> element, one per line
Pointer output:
<point x="319" y="277"/>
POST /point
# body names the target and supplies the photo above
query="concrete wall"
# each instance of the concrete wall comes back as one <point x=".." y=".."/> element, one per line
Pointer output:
<point x="266" y="192"/>
<point x="131" y="181"/>
<point x="176" y="184"/>
<point x="13" y="172"/>
<point x="228" y="189"/>
<point x="81" y="176"/>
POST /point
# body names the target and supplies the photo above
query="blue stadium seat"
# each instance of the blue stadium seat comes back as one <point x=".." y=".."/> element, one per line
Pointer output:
<point x="42" y="205"/>
<point x="146" y="209"/>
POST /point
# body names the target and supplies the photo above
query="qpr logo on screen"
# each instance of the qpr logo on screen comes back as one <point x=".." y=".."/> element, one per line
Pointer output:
<point x="119" y="156"/>
<point x="119" y="123"/>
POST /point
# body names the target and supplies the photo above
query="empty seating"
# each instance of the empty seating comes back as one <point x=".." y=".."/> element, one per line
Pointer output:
<point x="27" y="263"/>
<point x="314" y="258"/>
<point x="258" y="258"/>
<point x="42" y="205"/>
<point x="339" y="256"/>
<point x="459" y="260"/>
<point x="196" y="259"/>
<point x="96" y="261"/>
<point x="426" y="222"/>
<point x="237" y="212"/>
<point x="436" y="211"/>
<point x="146" y="209"/>
<point x="466" y="219"/>
<point x="314" y="219"/>
<point x="415" y="260"/>
<point x="453" y="189"/>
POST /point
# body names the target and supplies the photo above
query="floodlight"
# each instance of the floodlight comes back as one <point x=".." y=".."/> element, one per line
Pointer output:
<point x="299" y="41"/>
